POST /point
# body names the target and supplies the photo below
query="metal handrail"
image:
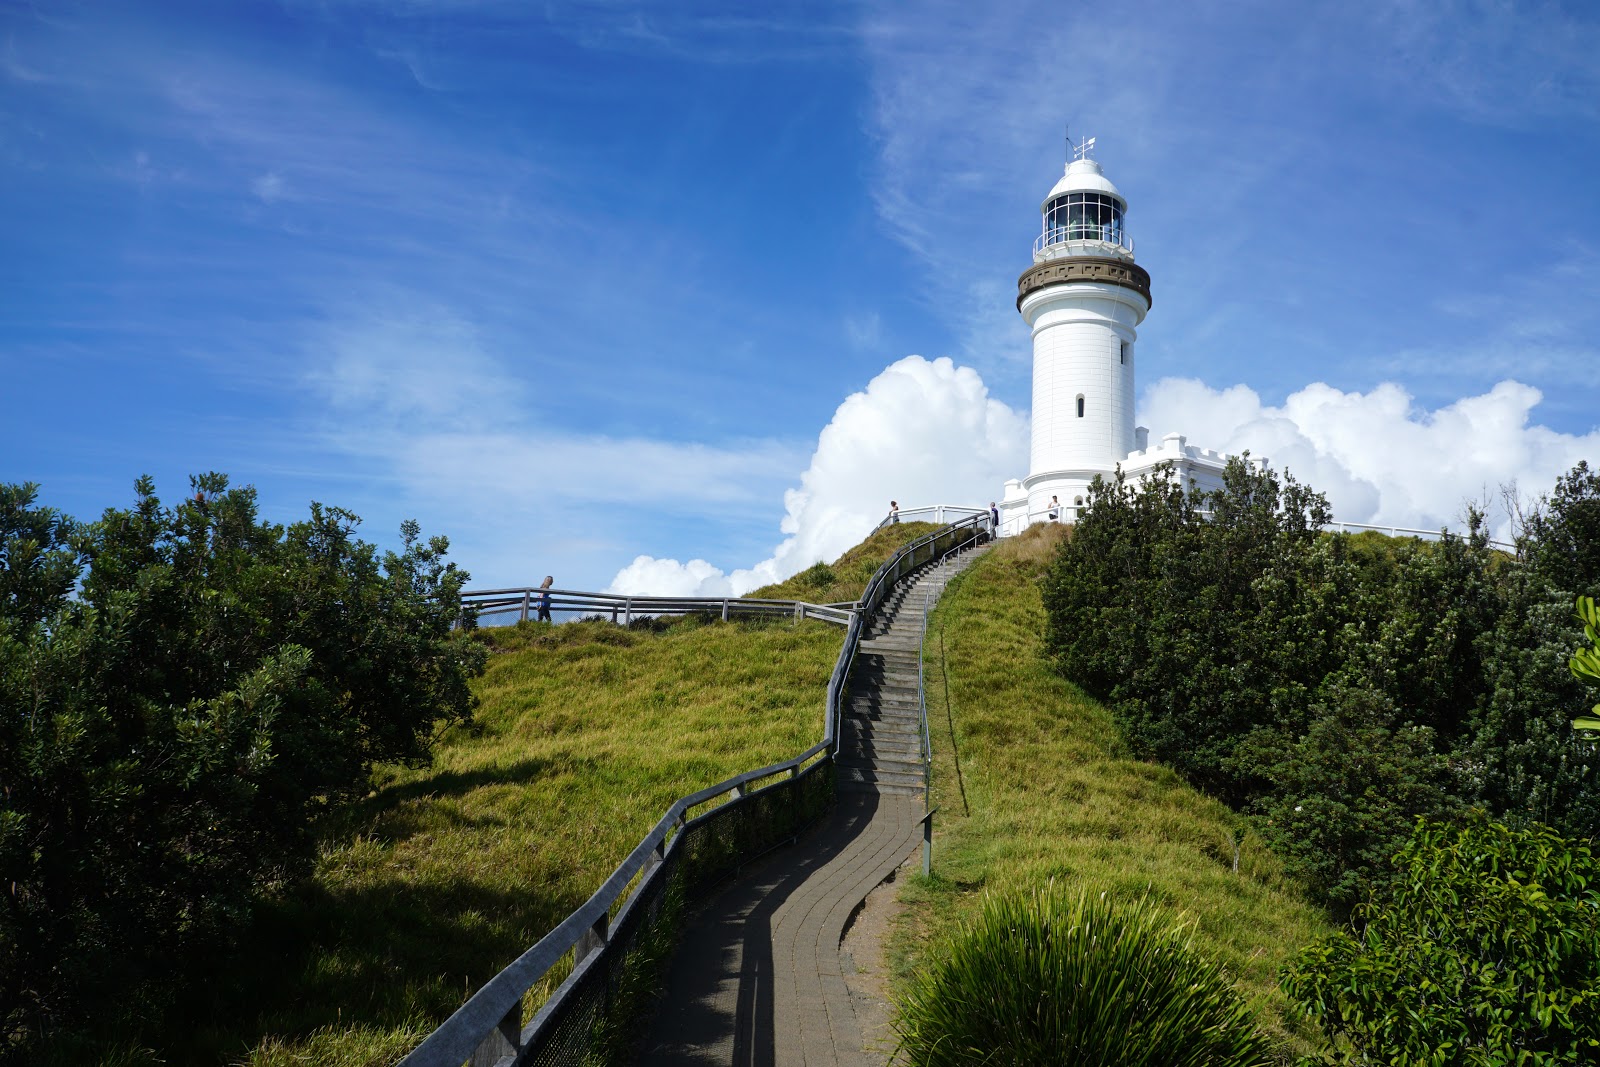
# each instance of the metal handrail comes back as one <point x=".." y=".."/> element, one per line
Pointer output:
<point x="1402" y="531"/>
<point x="623" y="608"/>
<point x="922" y="707"/>
<point x="1105" y="235"/>
<point x="1017" y="523"/>
<point x="491" y="1017"/>
<point x="938" y="513"/>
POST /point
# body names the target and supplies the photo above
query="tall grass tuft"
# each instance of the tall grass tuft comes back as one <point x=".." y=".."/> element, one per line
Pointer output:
<point x="1058" y="978"/>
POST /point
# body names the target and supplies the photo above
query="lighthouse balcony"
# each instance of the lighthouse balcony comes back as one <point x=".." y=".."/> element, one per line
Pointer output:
<point x="1061" y="241"/>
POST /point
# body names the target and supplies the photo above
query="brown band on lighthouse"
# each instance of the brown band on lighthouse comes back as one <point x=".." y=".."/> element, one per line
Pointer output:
<point x="1084" y="269"/>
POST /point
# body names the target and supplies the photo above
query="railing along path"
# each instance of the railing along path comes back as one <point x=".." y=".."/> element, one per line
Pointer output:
<point x="1067" y="513"/>
<point x="686" y="851"/>
<point x="623" y="608"/>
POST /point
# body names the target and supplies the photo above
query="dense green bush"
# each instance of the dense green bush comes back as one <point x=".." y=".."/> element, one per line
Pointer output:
<point x="1334" y="686"/>
<point x="1486" y="950"/>
<point x="169" y="731"/>
<point x="1066" y="979"/>
<point x="1562" y="535"/>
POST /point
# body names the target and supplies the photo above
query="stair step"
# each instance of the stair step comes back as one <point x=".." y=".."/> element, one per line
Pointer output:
<point x="886" y="720"/>
<point x="906" y="771"/>
<point x="900" y="750"/>
<point x="869" y="775"/>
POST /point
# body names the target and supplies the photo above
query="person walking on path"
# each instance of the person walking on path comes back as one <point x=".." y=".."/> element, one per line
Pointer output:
<point x="544" y="598"/>
<point x="994" y="520"/>
<point x="1055" y="509"/>
<point x="894" y="511"/>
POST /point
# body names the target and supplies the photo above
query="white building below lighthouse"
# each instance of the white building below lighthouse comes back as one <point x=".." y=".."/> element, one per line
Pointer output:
<point x="1084" y="298"/>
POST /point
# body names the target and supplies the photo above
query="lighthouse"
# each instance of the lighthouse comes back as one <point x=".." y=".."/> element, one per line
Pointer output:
<point x="1083" y="298"/>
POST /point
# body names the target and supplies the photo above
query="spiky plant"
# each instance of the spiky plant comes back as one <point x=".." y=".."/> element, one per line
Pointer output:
<point x="1075" y="979"/>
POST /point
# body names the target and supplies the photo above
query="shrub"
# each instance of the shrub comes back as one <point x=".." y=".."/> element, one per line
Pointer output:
<point x="1337" y="687"/>
<point x="169" y="733"/>
<point x="1055" y="978"/>
<point x="1485" y="951"/>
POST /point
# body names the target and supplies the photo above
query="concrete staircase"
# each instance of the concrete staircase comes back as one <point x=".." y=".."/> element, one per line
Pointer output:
<point x="881" y="735"/>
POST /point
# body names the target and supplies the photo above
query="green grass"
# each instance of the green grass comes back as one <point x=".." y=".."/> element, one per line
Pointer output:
<point x="1033" y="784"/>
<point x="846" y="578"/>
<point x="586" y="734"/>
<point x="427" y="888"/>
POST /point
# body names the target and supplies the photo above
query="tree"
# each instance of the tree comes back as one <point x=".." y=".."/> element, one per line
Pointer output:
<point x="38" y="559"/>
<point x="1485" y="951"/>
<point x="1562" y="537"/>
<point x="169" y="734"/>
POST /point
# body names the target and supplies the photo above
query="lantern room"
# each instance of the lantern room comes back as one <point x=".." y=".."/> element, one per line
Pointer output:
<point x="1083" y="215"/>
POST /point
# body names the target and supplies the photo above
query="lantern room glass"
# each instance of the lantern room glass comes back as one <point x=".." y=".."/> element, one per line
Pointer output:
<point x="1083" y="217"/>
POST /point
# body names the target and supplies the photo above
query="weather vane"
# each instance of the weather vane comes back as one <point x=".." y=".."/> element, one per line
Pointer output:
<point x="1083" y="148"/>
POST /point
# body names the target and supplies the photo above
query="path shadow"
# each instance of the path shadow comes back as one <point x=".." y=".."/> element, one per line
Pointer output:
<point x="718" y="1007"/>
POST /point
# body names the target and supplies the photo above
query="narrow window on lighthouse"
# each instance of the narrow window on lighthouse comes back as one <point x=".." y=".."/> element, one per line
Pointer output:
<point x="1125" y="347"/>
<point x="1080" y="405"/>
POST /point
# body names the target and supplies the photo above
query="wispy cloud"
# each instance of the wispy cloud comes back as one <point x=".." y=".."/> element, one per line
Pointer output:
<point x="415" y="397"/>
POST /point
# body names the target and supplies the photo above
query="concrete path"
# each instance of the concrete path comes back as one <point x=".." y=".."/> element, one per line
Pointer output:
<point x="758" y="981"/>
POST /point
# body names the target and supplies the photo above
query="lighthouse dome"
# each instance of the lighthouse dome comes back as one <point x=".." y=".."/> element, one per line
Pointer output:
<point x="1083" y="176"/>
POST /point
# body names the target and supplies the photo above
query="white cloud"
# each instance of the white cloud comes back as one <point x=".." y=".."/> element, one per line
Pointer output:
<point x="927" y="432"/>
<point x="922" y="432"/>
<point x="1378" y="457"/>
<point x="668" y="577"/>
<point x="412" y="367"/>
<point x="270" y="187"/>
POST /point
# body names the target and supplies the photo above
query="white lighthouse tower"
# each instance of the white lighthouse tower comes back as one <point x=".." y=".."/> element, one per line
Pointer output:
<point x="1084" y="298"/>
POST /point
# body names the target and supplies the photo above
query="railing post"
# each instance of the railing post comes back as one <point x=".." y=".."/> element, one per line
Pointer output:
<point x="724" y="609"/>
<point x="504" y="1040"/>
<point x="627" y="606"/>
<point x="927" y="845"/>
<point x="526" y="596"/>
<point x="591" y="940"/>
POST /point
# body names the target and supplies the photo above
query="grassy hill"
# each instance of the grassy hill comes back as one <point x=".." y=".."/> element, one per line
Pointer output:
<point x="586" y="733"/>
<point x="1032" y="783"/>
<point x="846" y="578"/>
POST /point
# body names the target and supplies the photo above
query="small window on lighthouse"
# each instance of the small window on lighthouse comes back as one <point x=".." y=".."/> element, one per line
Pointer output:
<point x="1125" y="347"/>
<point x="1080" y="405"/>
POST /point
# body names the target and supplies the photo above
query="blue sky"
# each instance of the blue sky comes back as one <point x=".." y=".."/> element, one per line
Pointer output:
<point x="579" y="282"/>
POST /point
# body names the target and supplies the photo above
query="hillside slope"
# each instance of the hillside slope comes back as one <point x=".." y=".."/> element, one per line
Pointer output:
<point x="846" y="578"/>
<point x="587" y="732"/>
<point x="1032" y="783"/>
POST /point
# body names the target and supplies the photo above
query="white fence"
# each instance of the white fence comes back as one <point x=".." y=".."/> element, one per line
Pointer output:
<point x="1067" y="513"/>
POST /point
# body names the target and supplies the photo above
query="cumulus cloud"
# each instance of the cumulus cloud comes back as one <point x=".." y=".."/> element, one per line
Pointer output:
<point x="1379" y="458"/>
<point x="922" y="432"/>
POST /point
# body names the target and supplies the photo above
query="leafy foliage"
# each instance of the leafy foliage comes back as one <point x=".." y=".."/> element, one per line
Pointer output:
<point x="168" y="735"/>
<point x="1487" y="951"/>
<point x="1052" y="978"/>
<point x="1334" y="687"/>
<point x="1562" y="537"/>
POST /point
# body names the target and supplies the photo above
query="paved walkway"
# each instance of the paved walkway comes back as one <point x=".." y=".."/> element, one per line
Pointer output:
<point x="758" y="981"/>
